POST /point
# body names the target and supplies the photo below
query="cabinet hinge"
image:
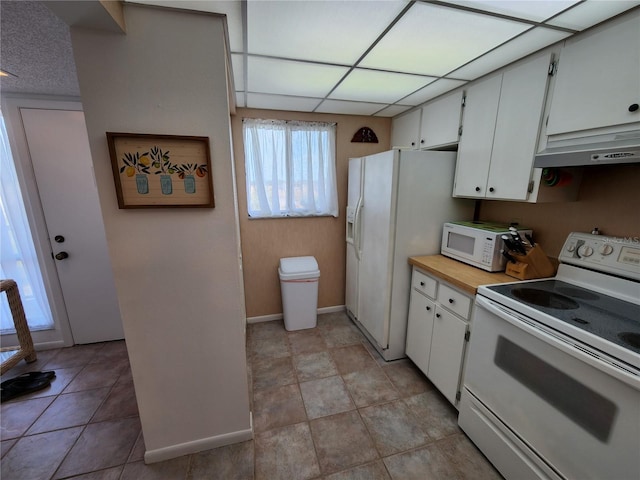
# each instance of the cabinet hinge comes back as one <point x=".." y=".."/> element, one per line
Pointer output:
<point x="460" y="131"/>
<point x="553" y="68"/>
<point x="530" y="188"/>
<point x="458" y="395"/>
<point x="467" y="335"/>
<point x="464" y="100"/>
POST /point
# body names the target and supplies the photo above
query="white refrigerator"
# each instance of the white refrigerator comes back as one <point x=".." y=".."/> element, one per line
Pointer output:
<point x="396" y="206"/>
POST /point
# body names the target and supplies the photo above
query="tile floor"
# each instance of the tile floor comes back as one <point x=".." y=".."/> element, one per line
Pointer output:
<point x="325" y="406"/>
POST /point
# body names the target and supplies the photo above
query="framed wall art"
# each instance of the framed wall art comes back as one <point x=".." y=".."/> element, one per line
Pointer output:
<point x="153" y="171"/>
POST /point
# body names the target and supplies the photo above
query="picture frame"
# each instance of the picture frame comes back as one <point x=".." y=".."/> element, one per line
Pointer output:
<point x="161" y="171"/>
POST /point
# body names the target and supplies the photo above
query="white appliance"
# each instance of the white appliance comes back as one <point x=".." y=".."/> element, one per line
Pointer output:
<point x="552" y="383"/>
<point x="397" y="203"/>
<point x="477" y="243"/>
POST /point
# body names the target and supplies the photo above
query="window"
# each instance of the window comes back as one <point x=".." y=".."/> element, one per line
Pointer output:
<point x="290" y="168"/>
<point x="18" y="260"/>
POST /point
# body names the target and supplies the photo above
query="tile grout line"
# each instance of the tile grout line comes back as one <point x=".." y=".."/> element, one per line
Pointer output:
<point x="85" y="425"/>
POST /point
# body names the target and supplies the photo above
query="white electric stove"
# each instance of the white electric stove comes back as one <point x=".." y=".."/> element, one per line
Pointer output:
<point x="552" y="384"/>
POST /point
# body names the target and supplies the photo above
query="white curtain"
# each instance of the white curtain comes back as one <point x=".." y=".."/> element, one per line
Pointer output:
<point x="18" y="259"/>
<point x="290" y="168"/>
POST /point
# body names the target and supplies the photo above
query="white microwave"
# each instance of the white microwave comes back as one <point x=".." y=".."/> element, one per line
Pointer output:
<point x="477" y="243"/>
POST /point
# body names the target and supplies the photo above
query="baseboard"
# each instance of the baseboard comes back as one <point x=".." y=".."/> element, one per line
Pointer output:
<point x="187" y="448"/>
<point x="264" y="318"/>
<point x="49" y="345"/>
<point x="278" y="316"/>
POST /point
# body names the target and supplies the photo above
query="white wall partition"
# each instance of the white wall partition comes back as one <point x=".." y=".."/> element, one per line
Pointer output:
<point x="176" y="270"/>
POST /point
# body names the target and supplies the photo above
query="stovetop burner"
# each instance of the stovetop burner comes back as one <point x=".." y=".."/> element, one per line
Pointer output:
<point x="544" y="298"/>
<point x="630" y="338"/>
<point x="602" y="315"/>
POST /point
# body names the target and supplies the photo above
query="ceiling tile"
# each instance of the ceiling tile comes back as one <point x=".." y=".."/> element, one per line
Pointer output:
<point x="378" y="87"/>
<point x="393" y="110"/>
<point x="590" y="13"/>
<point x="281" y="102"/>
<point x="351" y="108"/>
<point x="325" y="31"/>
<point x="530" y="42"/>
<point x="237" y="64"/>
<point x="266" y="75"/>
<point x="431" y="91"/>
<point x="534" y="10"/>
<point x="433" y="40"/>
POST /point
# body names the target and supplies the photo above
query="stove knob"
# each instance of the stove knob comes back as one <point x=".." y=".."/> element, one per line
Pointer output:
<point x="605" y="249"/>
<point x="571" y="248"/>
<point x="585" y="251"/>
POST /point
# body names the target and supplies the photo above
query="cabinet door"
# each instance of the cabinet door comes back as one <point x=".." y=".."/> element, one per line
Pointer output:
<point x="419" y="329"/>
<point x="441" y="121"/>
<point x="405" y="130"/>
<point x="447" y="349"/>
<point x="598" y="77"/>
<point x="522" y="97"/>
<point x="478" y="126"/>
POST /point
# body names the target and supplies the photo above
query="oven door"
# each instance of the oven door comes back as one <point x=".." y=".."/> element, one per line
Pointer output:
<point x="561" y="408"/>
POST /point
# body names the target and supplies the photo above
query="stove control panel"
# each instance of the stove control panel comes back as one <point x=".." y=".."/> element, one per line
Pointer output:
<point x="615" y="255"/>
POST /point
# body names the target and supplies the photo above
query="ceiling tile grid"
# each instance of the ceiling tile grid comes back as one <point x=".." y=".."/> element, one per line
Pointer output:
<point x="361" y="57"/>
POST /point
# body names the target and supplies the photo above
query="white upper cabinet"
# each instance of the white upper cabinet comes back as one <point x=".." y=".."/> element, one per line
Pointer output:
<point x="500" y="127"/>
<point x="441" y="121"/>
<point x="476" y="142"/>
<point x="405" y="130"/>
<point x="598" y="78"/>
<point x="434" y="125"/>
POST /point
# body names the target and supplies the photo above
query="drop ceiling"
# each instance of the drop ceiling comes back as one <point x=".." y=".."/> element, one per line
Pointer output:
<point x="364" y="57"/>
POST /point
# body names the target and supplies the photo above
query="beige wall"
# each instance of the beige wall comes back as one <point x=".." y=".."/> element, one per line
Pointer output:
<point x="177" y="271"/>
<point x="265" y="241"/>
<point x="609" y="199"/>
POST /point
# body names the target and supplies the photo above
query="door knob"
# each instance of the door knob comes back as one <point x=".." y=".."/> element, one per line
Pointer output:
<point x="61" y="255"/>
<point x="59" y="238"/>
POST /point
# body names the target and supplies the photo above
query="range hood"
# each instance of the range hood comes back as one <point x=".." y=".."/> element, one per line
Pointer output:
<point x="604" y="149"/>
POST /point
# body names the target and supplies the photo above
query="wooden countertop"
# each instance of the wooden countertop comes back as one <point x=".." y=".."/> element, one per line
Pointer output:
<point x="460" y="274"/>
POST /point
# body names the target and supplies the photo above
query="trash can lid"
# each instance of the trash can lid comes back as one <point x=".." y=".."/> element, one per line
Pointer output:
<point x="299" y="265"/>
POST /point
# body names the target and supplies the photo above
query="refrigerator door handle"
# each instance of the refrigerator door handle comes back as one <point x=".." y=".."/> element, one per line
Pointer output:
<point x="356" y="229"/>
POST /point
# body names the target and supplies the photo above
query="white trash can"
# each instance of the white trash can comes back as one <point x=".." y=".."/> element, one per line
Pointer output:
<point x="299" y="285"/>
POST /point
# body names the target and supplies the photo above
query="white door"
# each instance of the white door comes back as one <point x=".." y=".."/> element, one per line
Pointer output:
<point x="598" y="77"/>
<point x="441" y="121"/>
<point x="405" y="130"/>
<point x="353" y="202"/>
<point x="476" y="142"/>
<point x="377" y="227"/>
<point x="420" y="330"/>
<point x="522" y="95"/>
<point x="61" y="159"/>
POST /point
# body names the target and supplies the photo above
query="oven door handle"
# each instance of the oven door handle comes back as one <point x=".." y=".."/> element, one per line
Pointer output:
<point x="566" y="344"/>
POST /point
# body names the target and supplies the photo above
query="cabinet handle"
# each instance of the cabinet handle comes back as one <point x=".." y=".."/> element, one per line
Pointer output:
<point x="428" y="308"/>
<point x="451" y="300"/>
<point x="422" y="141"/>
<point x="477" y="189"/>
<point x="438" y="315"/>
<point x="491" y="189"/>
<point x="413" y="144"/>
<point x="634" y="107"/>
<point x="422" y="284"/>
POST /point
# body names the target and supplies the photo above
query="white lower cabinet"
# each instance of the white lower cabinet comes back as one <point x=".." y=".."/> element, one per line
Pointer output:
<point x="422" y="312"/>
<point x="437" y="332"/>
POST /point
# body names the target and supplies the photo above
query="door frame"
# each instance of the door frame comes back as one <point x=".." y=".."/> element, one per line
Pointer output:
<point x="60" y="335"/>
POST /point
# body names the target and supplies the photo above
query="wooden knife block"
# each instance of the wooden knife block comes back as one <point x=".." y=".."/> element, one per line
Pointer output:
<point x="535" y="264"/>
